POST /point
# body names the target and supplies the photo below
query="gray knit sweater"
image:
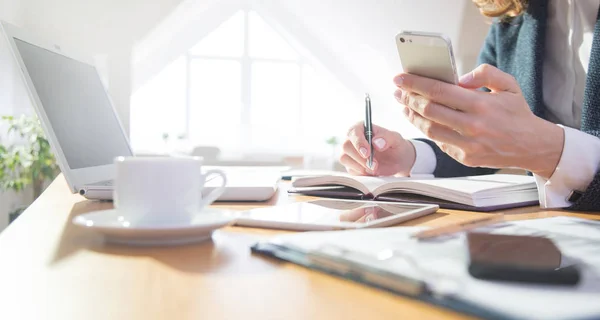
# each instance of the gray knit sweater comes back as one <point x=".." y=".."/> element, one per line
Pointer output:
<point x="517" y="47"/>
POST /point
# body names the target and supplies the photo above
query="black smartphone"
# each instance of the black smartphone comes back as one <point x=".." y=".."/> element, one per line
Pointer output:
<point x="520" y="259"/>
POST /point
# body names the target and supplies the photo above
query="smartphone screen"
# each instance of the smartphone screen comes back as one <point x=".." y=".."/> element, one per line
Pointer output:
<point x="519" y="258"/>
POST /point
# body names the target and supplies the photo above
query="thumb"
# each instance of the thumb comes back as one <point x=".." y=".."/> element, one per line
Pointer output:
<point x="490" y="77"/>
<point x="384" y="139"/>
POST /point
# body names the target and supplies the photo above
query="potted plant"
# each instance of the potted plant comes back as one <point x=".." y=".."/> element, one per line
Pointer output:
<point x="333" y="143"/>
<point x="27" y="159"/>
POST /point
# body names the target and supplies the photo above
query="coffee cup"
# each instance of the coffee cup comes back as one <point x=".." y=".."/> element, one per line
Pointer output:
<point x="163" y="189"/>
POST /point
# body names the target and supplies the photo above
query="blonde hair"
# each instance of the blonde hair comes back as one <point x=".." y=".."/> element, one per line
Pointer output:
<point x="501" y="8"/>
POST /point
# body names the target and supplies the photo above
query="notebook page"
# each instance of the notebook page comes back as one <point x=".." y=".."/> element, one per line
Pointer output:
<point x="373" y="183"/>
<point x="475" y="185"/>
<point x="365" y="184"/>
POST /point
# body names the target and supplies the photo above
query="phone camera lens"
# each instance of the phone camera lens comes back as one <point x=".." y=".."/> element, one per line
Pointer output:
<point x="402" y="40"/>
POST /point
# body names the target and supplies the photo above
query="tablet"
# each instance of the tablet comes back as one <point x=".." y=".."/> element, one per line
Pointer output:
<point x="330" y="214"/>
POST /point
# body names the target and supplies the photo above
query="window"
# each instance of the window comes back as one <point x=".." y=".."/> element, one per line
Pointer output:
<point x="243" y="88"/>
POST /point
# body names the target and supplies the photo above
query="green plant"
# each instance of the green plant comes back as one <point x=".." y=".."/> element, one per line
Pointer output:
<point x="332" y="141"/>
<point x="28" y="159"/>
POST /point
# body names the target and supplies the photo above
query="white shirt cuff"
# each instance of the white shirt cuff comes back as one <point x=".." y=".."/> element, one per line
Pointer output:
<point x="425" y="160"/>
<point x="576" y="169"/>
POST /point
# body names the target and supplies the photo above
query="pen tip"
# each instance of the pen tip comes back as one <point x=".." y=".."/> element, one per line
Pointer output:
<point x="367" y="96"/>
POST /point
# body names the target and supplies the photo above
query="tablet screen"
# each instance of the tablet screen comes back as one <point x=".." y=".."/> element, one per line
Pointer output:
<point x="331" y="212"/>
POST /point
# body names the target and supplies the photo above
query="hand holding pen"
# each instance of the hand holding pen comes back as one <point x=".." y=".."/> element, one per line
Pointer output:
<point x="385" y="154"/>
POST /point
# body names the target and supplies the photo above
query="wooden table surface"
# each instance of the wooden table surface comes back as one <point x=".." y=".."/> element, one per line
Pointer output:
<point x="51" y="269"/>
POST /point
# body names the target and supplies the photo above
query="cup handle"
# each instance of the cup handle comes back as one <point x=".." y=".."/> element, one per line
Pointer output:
<point x="215" y="194"/>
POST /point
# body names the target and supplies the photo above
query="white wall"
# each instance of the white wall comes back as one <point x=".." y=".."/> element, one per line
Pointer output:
<point x="472" y="33"/>
<point x="11" y="93"/>
<point x="102" y="28"/>
<point x="11" y="11"/>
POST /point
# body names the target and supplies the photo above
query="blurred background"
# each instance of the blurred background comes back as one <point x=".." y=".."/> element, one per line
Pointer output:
<point x="243" y="82"/>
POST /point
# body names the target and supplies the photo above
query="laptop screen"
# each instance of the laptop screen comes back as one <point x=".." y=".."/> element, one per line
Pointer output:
<point x="77" y="106"/>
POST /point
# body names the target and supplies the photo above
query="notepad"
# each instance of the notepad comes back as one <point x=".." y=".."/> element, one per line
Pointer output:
<point x="479" y="193"/>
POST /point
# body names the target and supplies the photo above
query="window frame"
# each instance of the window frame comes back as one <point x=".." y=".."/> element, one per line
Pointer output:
<point x="246" y="61"/>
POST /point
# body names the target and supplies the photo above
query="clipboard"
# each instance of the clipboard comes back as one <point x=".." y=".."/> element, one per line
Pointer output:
<point x="341" y="254"/>
<point x="363" y="274"/>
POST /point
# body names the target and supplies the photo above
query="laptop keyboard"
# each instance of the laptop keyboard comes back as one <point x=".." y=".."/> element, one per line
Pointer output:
<point x="107" y="183"/>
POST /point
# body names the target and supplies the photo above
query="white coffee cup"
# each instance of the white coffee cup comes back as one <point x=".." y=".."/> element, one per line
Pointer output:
<point x="162" y="188"/>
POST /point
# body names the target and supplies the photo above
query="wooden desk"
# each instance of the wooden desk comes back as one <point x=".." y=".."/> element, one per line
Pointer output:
<point x="50" y="269"/>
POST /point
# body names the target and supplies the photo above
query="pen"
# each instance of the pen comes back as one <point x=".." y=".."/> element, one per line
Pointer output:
<point x="458" y="227"/>
<point x="369" y="129"/>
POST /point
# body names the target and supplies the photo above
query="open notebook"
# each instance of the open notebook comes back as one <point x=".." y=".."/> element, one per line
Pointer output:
<point x="478" y="193"/>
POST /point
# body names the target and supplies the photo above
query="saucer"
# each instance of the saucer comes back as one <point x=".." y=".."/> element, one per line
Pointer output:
<point x="119" y="229"/>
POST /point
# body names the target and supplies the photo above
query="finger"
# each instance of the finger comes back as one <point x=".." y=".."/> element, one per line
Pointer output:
<point x="351" y="151"/>
<point x="444" y="93"/>
<point x="490" y="77"/>
<point x="436" y="131"/>
<point x="406" y="111"/>
<point x="351" y="164"/>
<point x="384" y="139"/>
<point x="455" y="153"/>
<point x="377" y="130"/>
<point x="373" y="169"/>
<point x="356" y="135"/>
<point x="434" y="111"/>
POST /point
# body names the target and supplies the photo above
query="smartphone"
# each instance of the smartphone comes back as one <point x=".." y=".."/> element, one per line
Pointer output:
<point x="515" y="258"/>
<point x="427" y="55"/>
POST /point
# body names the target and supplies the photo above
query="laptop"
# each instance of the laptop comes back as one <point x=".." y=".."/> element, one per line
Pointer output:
<point x="82" y="126"/>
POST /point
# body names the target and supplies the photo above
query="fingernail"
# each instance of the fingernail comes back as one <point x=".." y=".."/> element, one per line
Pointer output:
<point x="465" y="79"/>
<point x="380" y="143"/>
<point x="398" y="80"/>
<point x="363" y="152"/>
<point x="398" y="94"/>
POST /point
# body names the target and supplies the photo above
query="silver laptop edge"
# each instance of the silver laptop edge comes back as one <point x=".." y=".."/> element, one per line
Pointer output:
<point x="78" y="179"/>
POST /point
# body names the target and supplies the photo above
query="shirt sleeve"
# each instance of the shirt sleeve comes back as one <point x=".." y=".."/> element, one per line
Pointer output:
<point x="576" y="169"/>
<point x="425" y="160"/>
